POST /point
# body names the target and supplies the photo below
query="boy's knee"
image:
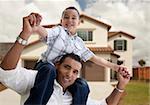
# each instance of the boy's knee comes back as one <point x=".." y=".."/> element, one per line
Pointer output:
<point x="81" y="82"/>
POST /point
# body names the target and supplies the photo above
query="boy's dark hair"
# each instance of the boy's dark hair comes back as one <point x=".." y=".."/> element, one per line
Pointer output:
<point x="71" y="55"/>
<point x="71" y="8"/>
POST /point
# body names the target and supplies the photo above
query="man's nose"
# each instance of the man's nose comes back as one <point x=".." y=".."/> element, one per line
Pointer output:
<point x="69" y="73"/>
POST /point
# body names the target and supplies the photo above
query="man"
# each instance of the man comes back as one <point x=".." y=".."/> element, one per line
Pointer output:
<point x="22" y="80"/>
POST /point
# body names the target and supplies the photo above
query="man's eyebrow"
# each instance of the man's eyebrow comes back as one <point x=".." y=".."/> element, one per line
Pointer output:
<point x="70" y="67"/>
<point x="67" y="65"/>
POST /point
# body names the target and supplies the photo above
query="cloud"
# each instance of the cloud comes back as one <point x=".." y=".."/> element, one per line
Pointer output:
<point x="131" y="16"/>
<point x="12" y="12"/>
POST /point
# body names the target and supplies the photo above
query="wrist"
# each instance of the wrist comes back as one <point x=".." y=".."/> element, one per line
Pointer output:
<point x="24" y="35"/>
<point x="120" y="86"/>
<point x="119" y="90"/>
<point x="116" y="68"/>
<point x="21" y="41"/>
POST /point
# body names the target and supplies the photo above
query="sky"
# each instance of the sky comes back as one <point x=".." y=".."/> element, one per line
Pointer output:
<point x="131" y="16"/>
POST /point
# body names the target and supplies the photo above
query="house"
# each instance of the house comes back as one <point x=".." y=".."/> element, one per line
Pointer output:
<point x="115" y="47"/>
<point x="98" y="39"/>
<point x="121" y="43"/>
<point x="4" y="47"/>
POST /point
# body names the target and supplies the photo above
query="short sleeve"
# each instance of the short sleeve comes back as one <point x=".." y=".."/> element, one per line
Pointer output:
<point x="84" y="52"/>
<point x="20" y="79"/>
<point x="52" y="34"/>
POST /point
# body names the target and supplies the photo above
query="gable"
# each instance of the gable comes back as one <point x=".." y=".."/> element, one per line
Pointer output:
<point x="119" y="34"/>
<point x="93" y="20"/>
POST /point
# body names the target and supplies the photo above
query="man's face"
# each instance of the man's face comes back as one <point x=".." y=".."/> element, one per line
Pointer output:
<point x="68" y="72"/>
<point x="70" y="20"/>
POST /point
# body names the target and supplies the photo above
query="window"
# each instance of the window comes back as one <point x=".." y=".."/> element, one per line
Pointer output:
<point x="120" y="45"/>
<point x="86" y="35"/>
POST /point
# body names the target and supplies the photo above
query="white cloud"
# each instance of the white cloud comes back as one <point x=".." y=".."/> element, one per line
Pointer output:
<point x="131" y="16"/>
<point x="12" y="12"/>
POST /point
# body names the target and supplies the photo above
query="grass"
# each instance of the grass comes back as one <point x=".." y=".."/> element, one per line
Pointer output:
<point x="137" y="93"/>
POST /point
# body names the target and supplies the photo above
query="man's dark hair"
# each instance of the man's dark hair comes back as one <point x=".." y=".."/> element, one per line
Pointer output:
<point x="71" y="8"/>
<point x="70" y="55"/>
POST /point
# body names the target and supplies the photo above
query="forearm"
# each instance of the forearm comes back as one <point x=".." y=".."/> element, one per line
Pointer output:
<point x="42" y="32"/>
<point x="102" y="62"/>
<point x="114" y="97"/>
<point x="12" y="57"/>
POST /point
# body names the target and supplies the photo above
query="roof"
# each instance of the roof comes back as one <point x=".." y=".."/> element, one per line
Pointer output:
<point x="32" y="43"/>
<point x="83" y="16"/>
<point x="95" y="20"/>
<point x="50" y="25"/>
<point x="94" y="49"/>
<point x="101" y="49"/>
<point x="112" y="34"/>
<point x="2" y="87"/>
<point x="1" y="57"/>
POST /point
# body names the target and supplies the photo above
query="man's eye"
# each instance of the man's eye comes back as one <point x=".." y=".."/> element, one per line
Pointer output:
<point x="67" y="67"/>
<point x="76" y="72"/>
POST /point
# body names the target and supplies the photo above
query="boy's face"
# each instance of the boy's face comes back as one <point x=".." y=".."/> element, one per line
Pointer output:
<point x="70" y="20"/>
<point x="67" y="72"/>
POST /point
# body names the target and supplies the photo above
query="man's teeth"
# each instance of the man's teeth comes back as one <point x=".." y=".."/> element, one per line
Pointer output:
<point x="66" y="80"/>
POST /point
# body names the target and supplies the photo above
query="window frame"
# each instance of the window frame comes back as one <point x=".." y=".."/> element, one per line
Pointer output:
<point x="88" y="33"/>
<point x="120" y="45"/>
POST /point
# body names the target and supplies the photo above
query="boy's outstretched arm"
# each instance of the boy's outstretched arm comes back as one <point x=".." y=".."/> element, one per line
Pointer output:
<point x="102" y="62"/>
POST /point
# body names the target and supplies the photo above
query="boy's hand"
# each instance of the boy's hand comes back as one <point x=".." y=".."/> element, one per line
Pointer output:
<point x="123" y="71"/>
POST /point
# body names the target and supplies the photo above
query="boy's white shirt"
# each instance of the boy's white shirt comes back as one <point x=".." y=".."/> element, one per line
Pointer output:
<point x="22" y="80"/>
<point x="65" y="43"/>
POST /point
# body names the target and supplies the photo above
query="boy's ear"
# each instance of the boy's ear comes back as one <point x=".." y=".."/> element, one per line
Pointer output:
<point x="79" y="22"/>
<point x="60" y="21"/>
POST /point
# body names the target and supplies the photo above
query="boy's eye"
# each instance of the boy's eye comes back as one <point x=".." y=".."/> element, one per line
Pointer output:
<point x="73" y="18"/>
<point x="66" y="17"/>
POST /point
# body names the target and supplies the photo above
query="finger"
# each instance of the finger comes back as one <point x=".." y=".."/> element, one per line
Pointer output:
<point x="26" y="21"/>
<point x="39" y="19"/>
<point x="31" y="20"/>
<point x="34" y="19"/>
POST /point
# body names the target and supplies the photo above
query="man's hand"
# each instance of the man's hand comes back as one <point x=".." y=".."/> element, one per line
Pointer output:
<point x="31" y="24"/>
<point x="123" y="81"/>
<point x="123" y="71"/>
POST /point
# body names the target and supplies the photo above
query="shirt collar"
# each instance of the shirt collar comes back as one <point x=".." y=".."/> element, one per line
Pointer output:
<point x="59" y="86"/>
<point x="73" y="36"/>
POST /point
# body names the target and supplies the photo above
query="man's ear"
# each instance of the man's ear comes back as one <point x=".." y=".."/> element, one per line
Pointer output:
<point x="57" y="64"/>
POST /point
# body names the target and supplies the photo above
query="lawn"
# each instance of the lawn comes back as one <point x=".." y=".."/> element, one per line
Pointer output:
<point x="137" y="93"/>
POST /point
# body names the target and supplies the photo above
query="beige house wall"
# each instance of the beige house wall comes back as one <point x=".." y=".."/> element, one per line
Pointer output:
<point x="99" y="33"/>
<point x="124" y="55"/>
<point x="34" y="51"/>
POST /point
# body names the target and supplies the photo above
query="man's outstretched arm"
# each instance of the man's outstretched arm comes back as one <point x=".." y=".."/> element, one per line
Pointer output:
<point x="114" y="97"/>
<point x="30" y="26"/>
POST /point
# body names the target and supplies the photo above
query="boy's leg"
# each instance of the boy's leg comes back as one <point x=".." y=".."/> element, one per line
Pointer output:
<point x="43" y="84"/>
<point x="80" y="91"/>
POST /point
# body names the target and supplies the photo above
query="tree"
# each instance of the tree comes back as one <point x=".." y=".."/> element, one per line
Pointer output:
<point x="142" y="62"/>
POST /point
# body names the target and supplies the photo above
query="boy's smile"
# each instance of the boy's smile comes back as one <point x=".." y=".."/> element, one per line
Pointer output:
<point x="70" y="20"/>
